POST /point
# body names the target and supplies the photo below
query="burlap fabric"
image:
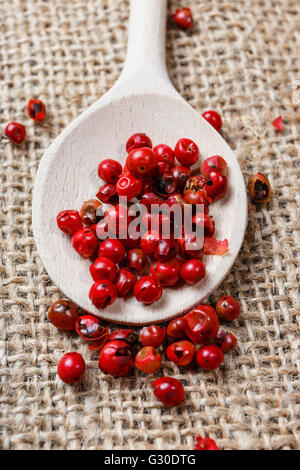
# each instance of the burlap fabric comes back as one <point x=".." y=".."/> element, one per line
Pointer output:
<point x="241" y="58"/>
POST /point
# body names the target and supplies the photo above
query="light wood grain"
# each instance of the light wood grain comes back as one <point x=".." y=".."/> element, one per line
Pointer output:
<point x="143" y="100"/>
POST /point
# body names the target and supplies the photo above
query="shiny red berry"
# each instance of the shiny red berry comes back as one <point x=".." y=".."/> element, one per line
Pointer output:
<point x="195" y="191"/>
<point x="63" y="315"/>
<point x="103" y="268"/>
<point x="124" y="334"/>
<point x="228" y="308"/>
<point x="69" y="221"/>
<point x="71" y="368"/>
<point x="85" y="242"/>
<point x="226" y="341"/>
<point x="164" y="154"/>
<point x="131" y="241"/>
<point x="149" y="242"/>
<point x="125" y="282"/>
<point x="117" y="219"/>
<point x="15" y="132"/>
<point x="148" y="360"/>
<point x="112" y="249"/>
<point x="167" y="272"/>
<point x="216" y="186"/>
<point x="36" y="110"/>
<point x="190" y="246"/>
<point x="203" y="222"/>
<point x="150" y="199"/>
<point x="147" y="290"/>
<point x="215" y="163"/>
<point x="214" y="119"/>
<point x="116" y="358"/>
<point x="153" y="335"/>
<point x="192" y="271"/>
<point x="181" y="353"/>
<point x="209" y="357"/>
<point x="186" y="152"/>
<point x="175" y="329"/>
<point x="107" y="193"/>
<point x="141" y="162"/>
<point x="137" y="260"/>
<point x="109" y="170"/>
<point x="137" y="141"/>
<point x="89" y="328"/>
<point x="180" y="174"/>
<point x="201" y="324"/>
<point x="205" y="444"/>
<point x="129" y="186"/>
<point x="169" y="391"/>
<point x="183" y="18"/>
<point x="166" y="250"/>
<point x="103" y="293"/>
<point x="162" y="168"/>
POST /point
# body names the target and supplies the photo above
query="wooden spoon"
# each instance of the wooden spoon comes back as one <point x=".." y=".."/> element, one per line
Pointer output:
<point x="142" y="100"/>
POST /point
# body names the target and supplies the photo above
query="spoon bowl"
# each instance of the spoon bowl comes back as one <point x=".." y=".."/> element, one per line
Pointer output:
<point x="143" y="100"/>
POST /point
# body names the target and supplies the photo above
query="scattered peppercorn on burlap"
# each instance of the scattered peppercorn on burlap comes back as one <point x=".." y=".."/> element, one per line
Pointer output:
<point x="242" y="59"/>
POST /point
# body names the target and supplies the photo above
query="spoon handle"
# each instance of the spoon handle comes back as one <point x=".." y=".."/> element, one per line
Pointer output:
<point x="146" y="39"/>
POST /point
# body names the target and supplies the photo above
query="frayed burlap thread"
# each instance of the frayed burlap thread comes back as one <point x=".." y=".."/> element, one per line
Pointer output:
<point x="242" y="58"/>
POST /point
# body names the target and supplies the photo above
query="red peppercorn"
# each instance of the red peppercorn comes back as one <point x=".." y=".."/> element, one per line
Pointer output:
<point x="141" y="162"/>
<point x="186" y="152"/>
<point x="195" y="191"/>
<point x="164" y="154"/>
<point x="109" y="170"/>
<point x="183" y="18"/>
<point x="259" y="188"/>
<point x="205" y="444"/>
<point x="15" y="132"/>
<point x="167" y="272"/>
<point x="36" y="110"/>
<point x="149" y="242"/>
<point x="85" y="242"/>
<point x="162" y="168"/>
<point x="125" y="282"/>
<point x="137" y="260"/>
<point x="200" y="221"/>
<point x="147" y="290"/>
<point x="137" y="141"/>
<point x="107" y="193"/>
<point x="125" y="335"/>
<point x="216" y="186"/>
<point x="226" y="341"/>
<point x="112" y="249"/>
<point x="214" y="163"/>
<point x="129" y="186"/>
<point x="63" y="315"/>
<point x="152" y="335"/>
<point x="117" y="219"/>
<point x="190" y="246"/>
<point x="91" y="211"/>
<point x="71" y="368"/>
<point x="214" y="119"/>
<point x="148" y="360"/>
<point x="149" y="199"/>
<point x="180" y="175"/>
<point x="88" y="327"/>
<point x="169" y="391"/>
<point x="103" y="268"/>
<point x="166" y="250"/>
<point x="192" y="271"/>
<point x="201" y="324"/>
<point x="181" y="353"/>
<point x="116" y="358"/>
<point x="69" y="221"/>
<point x="209" y="357"/>
<point x="103" y="293"/>
<point x="175" y="329"/>
<point x="228" y="308"/>
<point x="131" y="241"/>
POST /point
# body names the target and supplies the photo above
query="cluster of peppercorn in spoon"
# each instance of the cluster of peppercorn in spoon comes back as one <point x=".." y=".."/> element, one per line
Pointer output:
<point x="156" y="259"/>
<point x="122" y="348"/>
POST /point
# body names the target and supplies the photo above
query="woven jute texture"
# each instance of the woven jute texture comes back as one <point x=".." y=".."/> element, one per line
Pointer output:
<point x="242" y="58"/>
